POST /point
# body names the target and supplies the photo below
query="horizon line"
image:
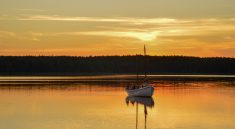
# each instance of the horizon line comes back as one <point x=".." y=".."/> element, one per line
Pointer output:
<point x="117" y="56"/>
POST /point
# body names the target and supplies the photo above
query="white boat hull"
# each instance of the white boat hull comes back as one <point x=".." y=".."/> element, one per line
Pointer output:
<point x="146" y="91"/>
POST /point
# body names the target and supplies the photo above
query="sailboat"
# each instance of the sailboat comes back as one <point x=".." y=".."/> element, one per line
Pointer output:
<point x="142" y="90"/>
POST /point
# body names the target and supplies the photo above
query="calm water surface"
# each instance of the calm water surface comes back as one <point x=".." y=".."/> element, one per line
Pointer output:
<point x="104" y="105"/>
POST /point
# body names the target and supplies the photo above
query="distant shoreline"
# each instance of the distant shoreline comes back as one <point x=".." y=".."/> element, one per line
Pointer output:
<point x="116" y="77"/>
<point x="110" y="74"/>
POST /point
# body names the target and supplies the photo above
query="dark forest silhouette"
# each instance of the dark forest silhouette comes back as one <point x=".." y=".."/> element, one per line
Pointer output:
<point x="68" y="65"/>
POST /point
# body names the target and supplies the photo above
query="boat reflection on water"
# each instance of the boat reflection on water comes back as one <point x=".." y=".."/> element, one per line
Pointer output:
<point x="147" y="102"/>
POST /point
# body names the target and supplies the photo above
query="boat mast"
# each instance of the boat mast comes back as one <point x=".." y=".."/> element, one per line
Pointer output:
<point x="144" y="50"/>
<point x="145" y="74"/>
<point x="137" y="70"/>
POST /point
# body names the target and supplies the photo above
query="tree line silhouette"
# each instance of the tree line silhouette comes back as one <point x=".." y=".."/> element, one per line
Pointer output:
<point x="95" y="65"/>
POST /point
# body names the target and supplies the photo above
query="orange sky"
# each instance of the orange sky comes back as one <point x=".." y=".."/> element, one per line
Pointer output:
<point x="92" y="27"/>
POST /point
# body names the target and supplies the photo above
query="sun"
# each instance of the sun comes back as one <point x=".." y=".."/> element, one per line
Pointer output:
<point x="143" y="36"/>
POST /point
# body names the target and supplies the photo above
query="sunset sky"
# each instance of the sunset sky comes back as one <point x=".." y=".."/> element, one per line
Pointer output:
<point x="117" y="27"/>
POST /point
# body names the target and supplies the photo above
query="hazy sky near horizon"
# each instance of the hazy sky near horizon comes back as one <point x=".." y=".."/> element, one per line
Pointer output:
<point x="117" y="27"/>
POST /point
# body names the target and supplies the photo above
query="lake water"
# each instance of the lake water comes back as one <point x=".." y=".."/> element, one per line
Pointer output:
<point x="101" y="103"/>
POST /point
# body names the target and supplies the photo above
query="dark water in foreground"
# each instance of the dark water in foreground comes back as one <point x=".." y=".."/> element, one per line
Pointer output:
<point x="26" y="103"/>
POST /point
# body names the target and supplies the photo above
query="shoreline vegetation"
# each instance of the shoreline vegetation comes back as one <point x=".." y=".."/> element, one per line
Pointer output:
<point x="114" y="65"/>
